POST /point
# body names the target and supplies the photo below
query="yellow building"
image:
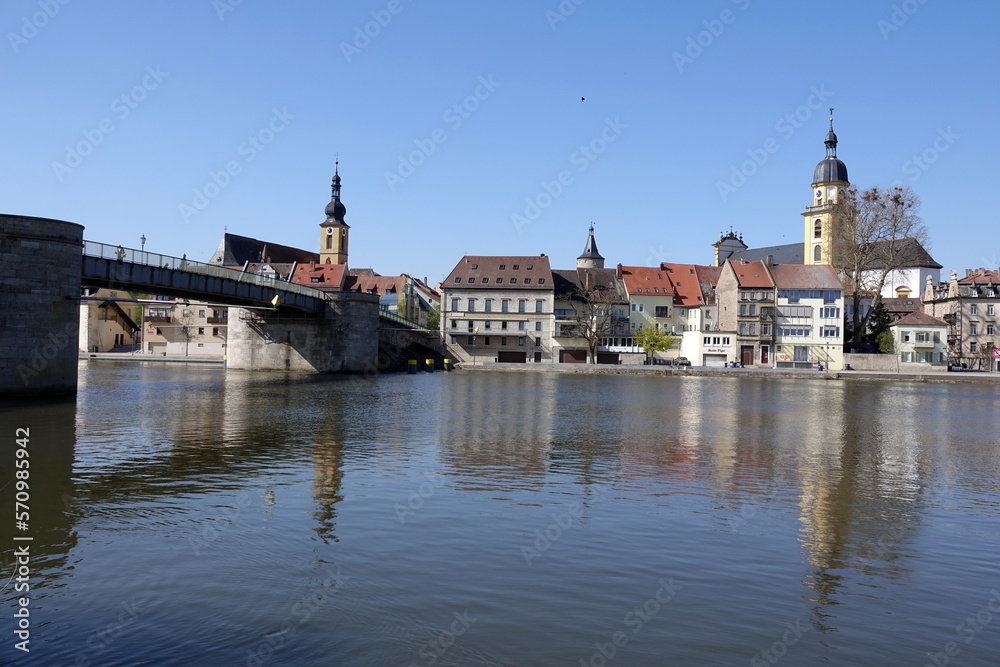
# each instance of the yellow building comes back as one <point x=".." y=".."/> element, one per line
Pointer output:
<point x="108" y="321"/>
<point x="820" y="219"/>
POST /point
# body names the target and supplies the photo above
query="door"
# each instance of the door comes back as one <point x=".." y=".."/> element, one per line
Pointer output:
<point x="538" y="357"/>
<point x="572" y="356"/>
<point x="765" y="355"/>
<point x="511" y="357"/>
<point x="746" y="355"/>
<point x="715" y="360"/>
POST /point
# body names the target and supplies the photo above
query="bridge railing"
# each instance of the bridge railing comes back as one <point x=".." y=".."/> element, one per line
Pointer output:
<point x="118" y="253"/>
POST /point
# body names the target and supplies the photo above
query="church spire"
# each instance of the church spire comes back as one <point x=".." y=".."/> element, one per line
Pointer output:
<point x="831" y="139"/>
<point x="335" y="210"/>
<point x="590" y="259"/>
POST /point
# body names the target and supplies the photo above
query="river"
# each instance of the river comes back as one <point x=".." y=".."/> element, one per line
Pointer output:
<point x="185" y="515"/>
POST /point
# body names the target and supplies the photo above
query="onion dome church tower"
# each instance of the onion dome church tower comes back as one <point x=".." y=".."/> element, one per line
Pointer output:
<point x="334" y="231"/>
<point x="828" y="185"/>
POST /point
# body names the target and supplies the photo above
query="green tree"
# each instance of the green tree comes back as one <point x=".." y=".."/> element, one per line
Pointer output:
<point x="878" y="320"/>
<point x="653" y="340"/>
<point x="886" y="342"/>
<point x="433" y="318"/>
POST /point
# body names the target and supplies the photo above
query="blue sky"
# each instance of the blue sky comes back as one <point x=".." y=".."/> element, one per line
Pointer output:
<point x="461" y="129"/>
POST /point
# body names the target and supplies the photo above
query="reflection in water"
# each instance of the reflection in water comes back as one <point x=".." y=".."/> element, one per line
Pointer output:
<point x="226" y="500"/>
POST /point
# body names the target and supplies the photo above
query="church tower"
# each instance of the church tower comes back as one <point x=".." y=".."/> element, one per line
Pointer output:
<point x="590" y="259"/>
<point x="334" y="231"/>
<point x="828" y="186"/>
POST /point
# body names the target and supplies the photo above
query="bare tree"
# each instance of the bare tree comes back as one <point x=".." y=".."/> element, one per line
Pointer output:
<point x="593" y="315"/>
<point x="879" y="232"/>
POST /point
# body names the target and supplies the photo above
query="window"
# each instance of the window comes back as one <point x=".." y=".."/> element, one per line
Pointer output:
<point x="829" y="313"/>
<point x="538" y="326"/>
<point x="454" y="324"/>
<point x="454" y="340"/>
<point x="661" y="311"/>
<point x="472" y="340"/>
<point x="487" y="324"/>
<point x="989" y="310"/>
<point x="752" y="330"/>
<point x="989" y="329"/>
<point x="489" y="305"/>
<point x="906" y="336"/>
<point x="472" y="305"/>
<point x="486" y="339"/>
<point x="541" y="281"/>
<point x="520" y="341"/>
<point x="201" y="313"/>
<point x="471" y="280"/>
<point x="499" y="280"/>
<point x="454" y="304"/>
<point x="973" y="329"/>
<point x="743" y="329"/>
<point x="818" y="229"/>
<point x="527" y="281"/>
<point x="472" y="326"/>
<point x="829" y="332"/>
<point x="503" y="339"/>
<point x="215" y="331"/>
<point x="817" y="253"/>
<point x="522" y="305"/>
<point x="201" y="331"/>
<point x="765" y="330"/>
<point x="516" y="267"/>
<point x="520" y="326"/>
<point x="752" y="309"/>
<point x="907" y="357"/>
<point x="503" y="267"/>
<point x="923" y="337"/>
<point x="505" y="305"/>
<point x="974" y="309"/>
<point x="641" y="307"/>
<point x="635" y="307"/>
<point x="539" y="305"/>
<point x="513" y="281"/>
<point x="159" y="331"/>
<point x="503" y="325"/>
<point x="458" y="279"/>
<point x="794" y="331"/>
<point x="973" y="347"/>
<point x="538" y="341"/>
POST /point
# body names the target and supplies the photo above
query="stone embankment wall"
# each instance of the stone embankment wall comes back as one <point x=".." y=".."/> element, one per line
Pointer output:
<point x="40" y="265"/>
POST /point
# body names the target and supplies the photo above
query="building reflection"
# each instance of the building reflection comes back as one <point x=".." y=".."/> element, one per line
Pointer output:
<point x="496" y="428"/>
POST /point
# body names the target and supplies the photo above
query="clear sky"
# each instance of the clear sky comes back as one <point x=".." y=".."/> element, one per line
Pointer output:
<point x="494" y="127"/>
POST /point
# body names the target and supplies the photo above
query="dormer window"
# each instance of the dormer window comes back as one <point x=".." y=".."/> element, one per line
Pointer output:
<point x="503" y="267"/>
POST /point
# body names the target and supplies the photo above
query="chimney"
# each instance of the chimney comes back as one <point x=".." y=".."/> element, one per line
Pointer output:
<point x="769" y="260"/>
<point x="929" y="289"/>
<point x="953" y="285"/>
<point x="618" y="271"/>
<point x="968" y="273"/>
<point x="312" y="265"/>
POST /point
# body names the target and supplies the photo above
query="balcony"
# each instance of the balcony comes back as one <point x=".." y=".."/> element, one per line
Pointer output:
<point x="923" y="344"/>
<point x="157" y="319"/>
<point x="218" y="320"/>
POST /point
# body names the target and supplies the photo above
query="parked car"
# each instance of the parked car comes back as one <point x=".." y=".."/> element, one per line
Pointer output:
<point x="680" y="361"/>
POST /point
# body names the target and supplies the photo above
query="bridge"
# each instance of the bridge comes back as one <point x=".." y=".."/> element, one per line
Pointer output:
<point x="274" y="324"/>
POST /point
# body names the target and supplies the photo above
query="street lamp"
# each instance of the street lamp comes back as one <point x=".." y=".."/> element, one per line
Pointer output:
<point x="475" y="332"/>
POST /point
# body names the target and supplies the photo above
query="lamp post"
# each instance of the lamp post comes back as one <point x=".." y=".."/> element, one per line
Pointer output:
<point x="475" y="332"/>
<point x="142" y="247"/>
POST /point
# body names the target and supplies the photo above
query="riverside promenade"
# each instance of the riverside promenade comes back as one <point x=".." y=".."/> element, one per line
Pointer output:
<point x="965" y="377"/>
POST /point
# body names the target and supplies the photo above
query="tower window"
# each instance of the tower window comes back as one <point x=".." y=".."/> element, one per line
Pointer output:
<point x="818" y="229"/>
<point x="329" y="242"/>
<point x="817" y="253"/>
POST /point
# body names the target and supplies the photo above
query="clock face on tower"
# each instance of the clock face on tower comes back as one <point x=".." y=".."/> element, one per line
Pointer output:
<point x="819" y="193"/>
<point x="329" y="230"/>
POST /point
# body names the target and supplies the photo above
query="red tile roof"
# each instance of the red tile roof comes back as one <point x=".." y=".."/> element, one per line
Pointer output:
<point x="651" y="280"/>
<point x="375" y="284"/>
<point x="320" y="275"/>
<point x="687" y="286"/>
<point x="802" y="276"/>
<point x="531" y="272"/>
<point x="708" y="274"/>
<point x="919" y="318"/>
<point x="751" y="274"/>
<point x="985" y="278"/>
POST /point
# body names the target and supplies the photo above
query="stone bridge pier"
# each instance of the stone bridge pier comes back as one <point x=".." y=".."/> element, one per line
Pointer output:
<point x="342" y="340"/>
<point x="40" y="262"/>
